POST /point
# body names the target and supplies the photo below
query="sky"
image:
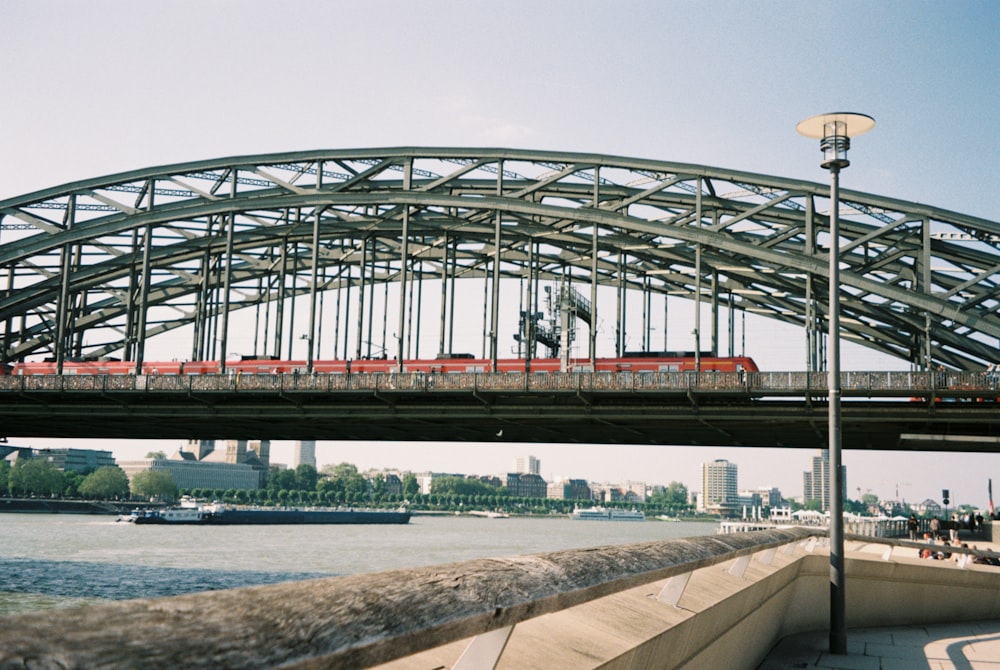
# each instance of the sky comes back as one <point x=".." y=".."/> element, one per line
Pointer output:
<point x="97" y="87"/>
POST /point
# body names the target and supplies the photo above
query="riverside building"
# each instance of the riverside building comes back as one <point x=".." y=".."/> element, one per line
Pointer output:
<point x="719" y="487"/>
<point x="238" y="465"/>
<point x="816" y="482"/>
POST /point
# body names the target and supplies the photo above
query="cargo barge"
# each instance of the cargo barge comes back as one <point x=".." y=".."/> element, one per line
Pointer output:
<point x="216" y="514"/>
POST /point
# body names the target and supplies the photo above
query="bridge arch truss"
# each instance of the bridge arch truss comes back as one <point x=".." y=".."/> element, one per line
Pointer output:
<point x="97" y="268"/>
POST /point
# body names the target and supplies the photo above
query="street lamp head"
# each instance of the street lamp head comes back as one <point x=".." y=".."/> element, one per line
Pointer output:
<point x="834" y="131"/>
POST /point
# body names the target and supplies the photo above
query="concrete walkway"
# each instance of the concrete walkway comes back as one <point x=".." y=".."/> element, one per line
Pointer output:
<point x="973" y="645"/>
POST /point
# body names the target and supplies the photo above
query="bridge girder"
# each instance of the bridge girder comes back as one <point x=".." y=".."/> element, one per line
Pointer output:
<point x="97" y="267"/>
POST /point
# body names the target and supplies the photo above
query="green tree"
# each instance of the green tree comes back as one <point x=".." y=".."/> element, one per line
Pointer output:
<point x="282" y="480"/>
<point x="410" y="485"/>
<point x="813" y="505"/>
<point x="306" y="477"/>
<point x="461" y="486"/>
<point x="4" y="477"/>
<point x="156" y="455"/>
<point x="855" y="507"/>
<point x="155" y="484"/>
<point x="35" y="476"/>
<point x="676" y="494"/>
<point x="347" y="479"/>
<point x="71" y="484"/>
<point x="378" y="486"/>
<point x="106" y="483"/>
<point x="330" y="485"/>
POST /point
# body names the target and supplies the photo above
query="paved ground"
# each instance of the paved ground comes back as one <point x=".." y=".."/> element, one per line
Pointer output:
<point x="959" y="646"/>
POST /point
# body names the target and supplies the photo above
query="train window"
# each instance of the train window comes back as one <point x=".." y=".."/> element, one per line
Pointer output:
<point x="475" y="368"/>
<point x="670" y="367"/>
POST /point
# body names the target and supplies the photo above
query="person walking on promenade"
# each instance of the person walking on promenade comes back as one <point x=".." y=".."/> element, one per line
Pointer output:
<point x="912" y="526"/>
<point x="935" y="527"/>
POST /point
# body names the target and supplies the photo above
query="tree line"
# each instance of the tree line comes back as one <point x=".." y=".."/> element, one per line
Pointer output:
<point x="38" y="477"/>
<point x="340" y="484"/>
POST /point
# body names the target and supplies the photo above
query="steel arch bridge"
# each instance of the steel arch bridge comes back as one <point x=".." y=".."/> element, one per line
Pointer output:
<point x="98" y="267"/>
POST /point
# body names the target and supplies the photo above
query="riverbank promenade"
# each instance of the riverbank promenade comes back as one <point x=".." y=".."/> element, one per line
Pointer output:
<point x="964" y="645"/>
<point x="959" y="645"/>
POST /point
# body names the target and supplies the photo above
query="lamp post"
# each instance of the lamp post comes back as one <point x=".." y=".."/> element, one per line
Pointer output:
<point x="834" y="131"/>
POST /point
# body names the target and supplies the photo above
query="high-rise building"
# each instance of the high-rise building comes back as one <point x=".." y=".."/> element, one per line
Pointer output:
<point x="305" y="453"/>
<point x="528" y="465"/>
<point x="719" y="487"/>
<point x="816" y="482"/>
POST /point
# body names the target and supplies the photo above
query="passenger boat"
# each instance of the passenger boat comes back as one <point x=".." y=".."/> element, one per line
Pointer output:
<point x="605" y="514"/>
<point x="217" y="514"/>
<point x="490" y="514"/>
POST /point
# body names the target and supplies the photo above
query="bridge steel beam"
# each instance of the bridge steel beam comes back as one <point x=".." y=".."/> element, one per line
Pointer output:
<point x="715" y="410"/>
<point x="920" y="283"/>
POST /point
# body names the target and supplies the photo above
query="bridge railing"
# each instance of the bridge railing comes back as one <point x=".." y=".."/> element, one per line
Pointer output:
<point x="945" y="385"/>
<point x="364" y="620"/>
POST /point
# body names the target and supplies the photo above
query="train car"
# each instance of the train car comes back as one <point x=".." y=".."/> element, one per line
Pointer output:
<point x="251" y="365"/>
<point x="463" y="364"/>
<point x="96" y="367"/>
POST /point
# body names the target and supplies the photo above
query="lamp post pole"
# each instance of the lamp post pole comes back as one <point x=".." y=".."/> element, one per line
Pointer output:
<point x="834" y="132"/>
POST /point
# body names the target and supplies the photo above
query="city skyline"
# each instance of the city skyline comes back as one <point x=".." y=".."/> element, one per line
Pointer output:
<point x="714" y="83"/>
<point x="591" y="462"/>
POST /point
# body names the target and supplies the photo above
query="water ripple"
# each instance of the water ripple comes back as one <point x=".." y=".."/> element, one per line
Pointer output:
<point x="113" y="581"/>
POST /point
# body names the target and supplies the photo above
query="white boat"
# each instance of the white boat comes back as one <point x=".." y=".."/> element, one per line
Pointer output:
<point x="490" y="515"/>
<point x="605" y="514"/>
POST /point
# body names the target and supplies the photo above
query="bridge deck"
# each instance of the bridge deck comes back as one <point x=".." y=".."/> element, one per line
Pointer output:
<point x="881" y="410"/>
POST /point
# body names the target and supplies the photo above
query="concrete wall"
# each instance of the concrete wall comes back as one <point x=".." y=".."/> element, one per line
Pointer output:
<point x="729" y="621"/>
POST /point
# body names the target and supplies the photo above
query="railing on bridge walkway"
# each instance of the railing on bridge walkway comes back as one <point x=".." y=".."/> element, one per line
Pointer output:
<point x="945" y="385"/>
<point x="370" y="619"/>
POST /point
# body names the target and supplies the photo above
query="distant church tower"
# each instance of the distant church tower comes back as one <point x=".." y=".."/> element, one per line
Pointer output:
<point x="200" y="448"/>
<point x="305" y="453"/>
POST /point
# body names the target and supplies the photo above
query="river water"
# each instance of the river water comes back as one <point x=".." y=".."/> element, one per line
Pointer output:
<point x="55" y="560"/>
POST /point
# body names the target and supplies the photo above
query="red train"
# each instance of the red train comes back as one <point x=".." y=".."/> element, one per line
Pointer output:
<point x="657" y="362"/>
